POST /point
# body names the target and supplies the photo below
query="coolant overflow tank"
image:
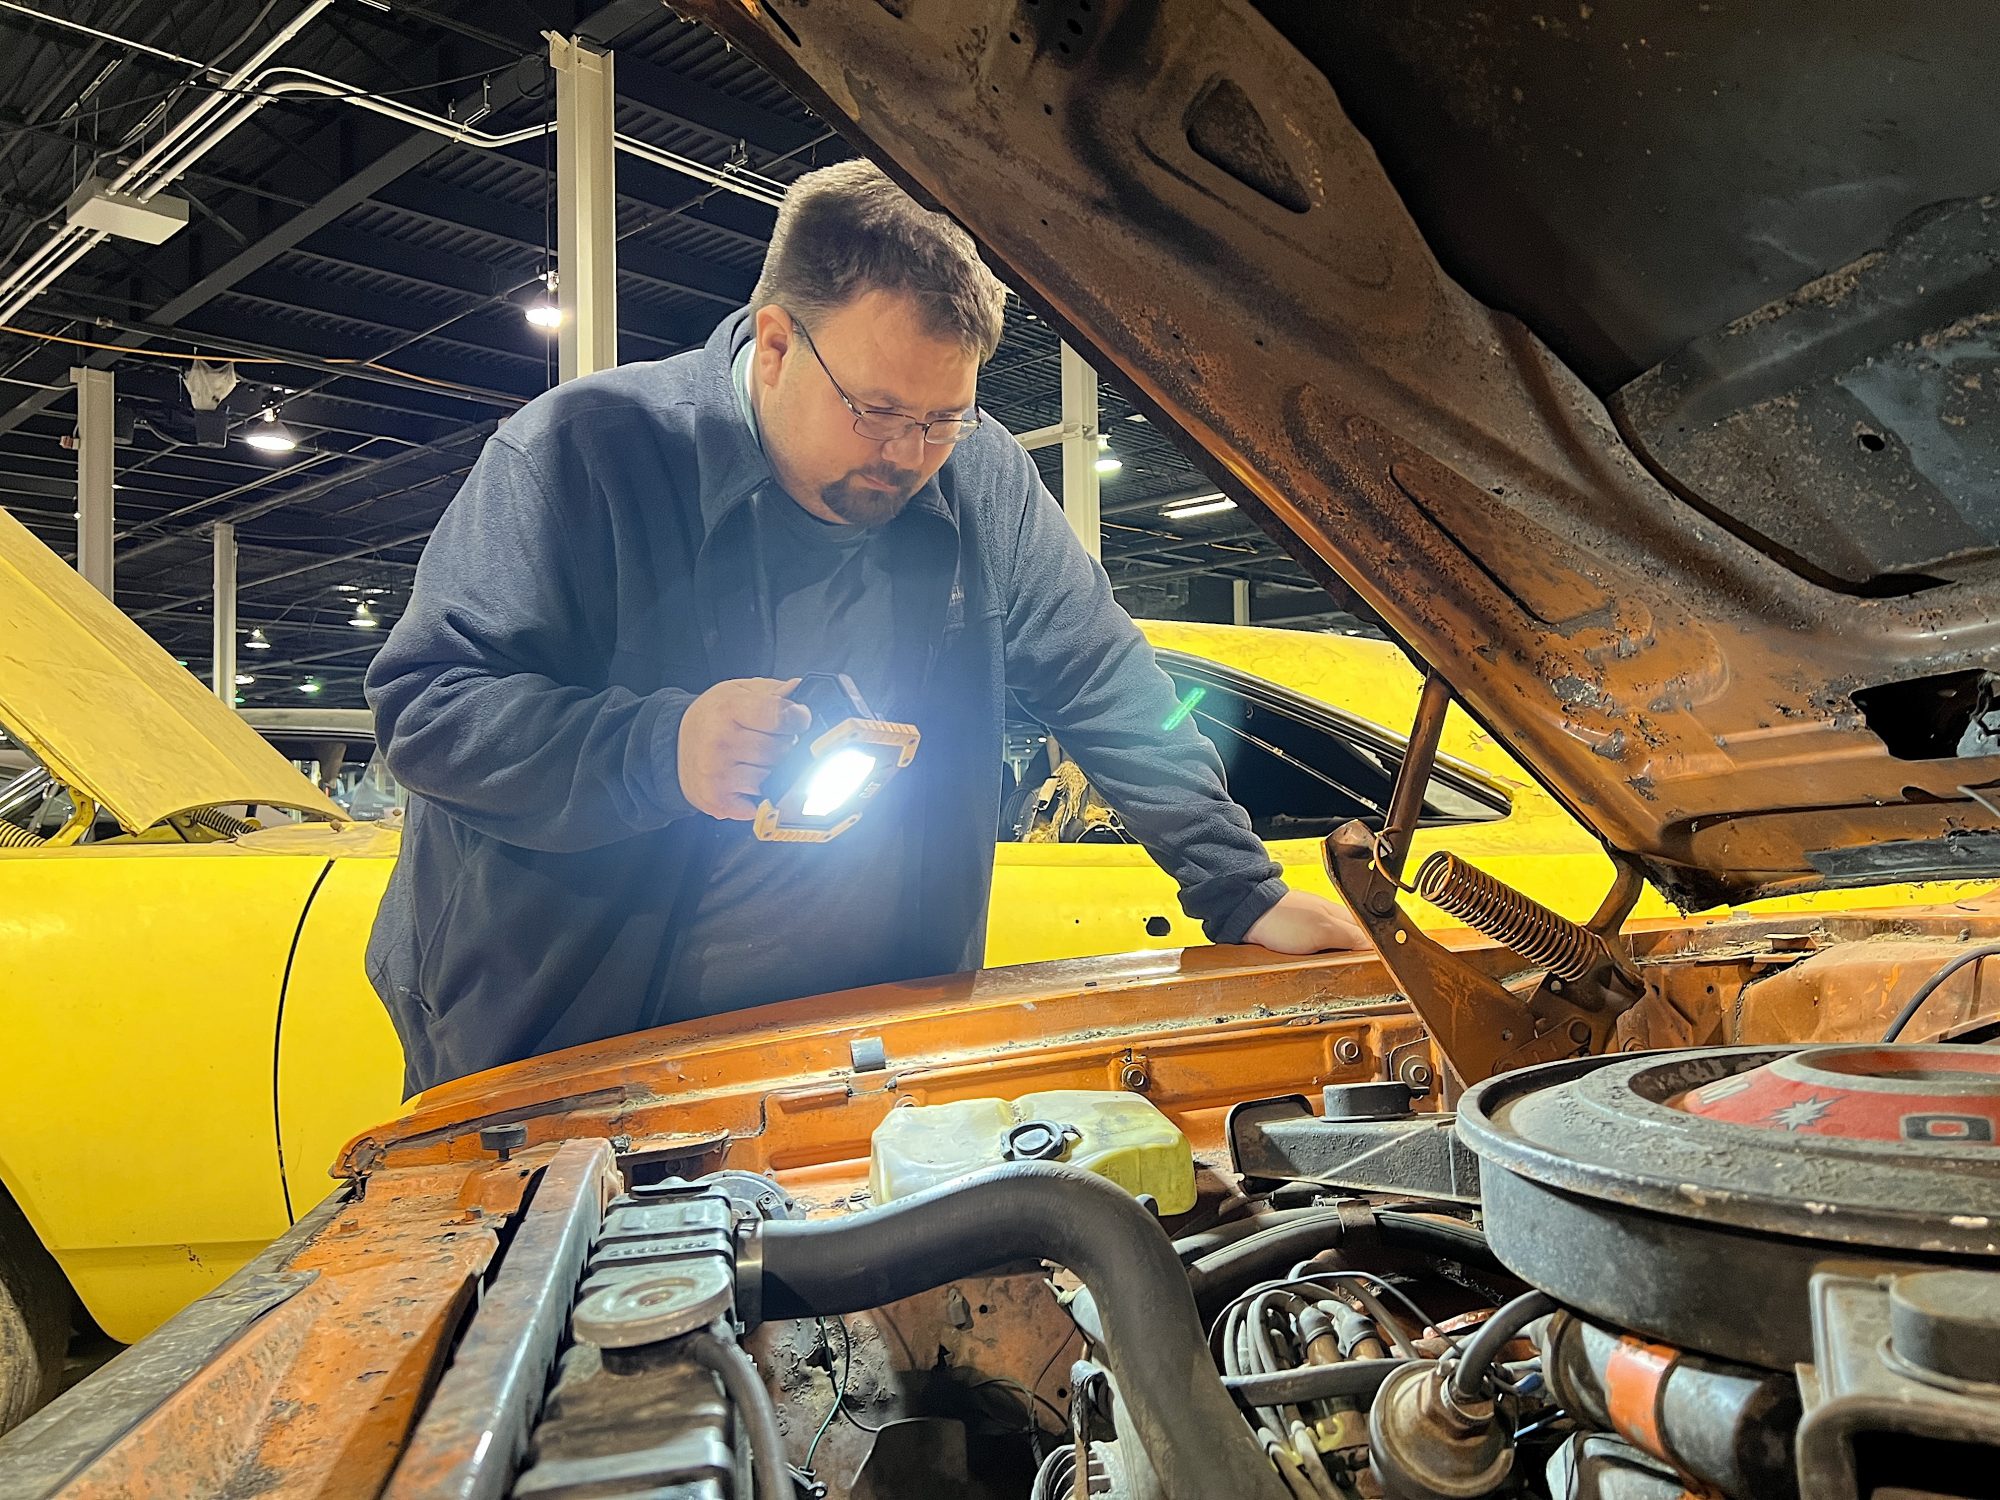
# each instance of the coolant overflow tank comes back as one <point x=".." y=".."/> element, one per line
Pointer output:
<point x="1117" y="1135"/>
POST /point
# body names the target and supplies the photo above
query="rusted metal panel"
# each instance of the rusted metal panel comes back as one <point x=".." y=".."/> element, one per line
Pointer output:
<point x="474" y="1431"/>
<point x="316" y="1396"/>
<point x="1855" y="990"/>
<point x="48" y="1450"/>
<point x="1846" y="424"/>
<point x="1255" y="279"/>
<point x="1214" y="1024"/>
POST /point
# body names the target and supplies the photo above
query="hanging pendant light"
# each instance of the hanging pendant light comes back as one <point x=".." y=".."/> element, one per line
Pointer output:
<point x="270" y="435"/>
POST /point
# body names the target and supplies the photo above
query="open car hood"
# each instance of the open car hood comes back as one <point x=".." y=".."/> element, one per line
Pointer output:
<point x="1704" y="528"/>
<point x="112" y="715"/>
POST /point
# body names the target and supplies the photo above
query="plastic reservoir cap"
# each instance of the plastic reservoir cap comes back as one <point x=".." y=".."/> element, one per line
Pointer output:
<point x="1112" y="1132"/>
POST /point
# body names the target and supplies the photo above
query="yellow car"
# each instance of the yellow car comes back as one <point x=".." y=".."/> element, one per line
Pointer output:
<point x="1067" y="883"/>
<point x="191" y="1038"/>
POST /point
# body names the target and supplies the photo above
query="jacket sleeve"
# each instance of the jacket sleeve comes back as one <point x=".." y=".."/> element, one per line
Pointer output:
<point x="1078" y="663"/>
<point x="489" y="694"/>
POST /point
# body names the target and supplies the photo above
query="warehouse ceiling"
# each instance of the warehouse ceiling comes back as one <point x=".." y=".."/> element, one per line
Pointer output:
<point x="368" y="279"/>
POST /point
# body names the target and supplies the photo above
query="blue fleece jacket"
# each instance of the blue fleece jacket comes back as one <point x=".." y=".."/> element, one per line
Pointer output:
<point x="588" y="582"/>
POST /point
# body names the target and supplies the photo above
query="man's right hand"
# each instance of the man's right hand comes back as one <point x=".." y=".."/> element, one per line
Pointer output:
<point x="731" y="736"/>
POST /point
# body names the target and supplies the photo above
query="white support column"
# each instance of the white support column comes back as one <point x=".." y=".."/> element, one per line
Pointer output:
<point x="1239" y="590"/>
<point x="586" y="207"/>
<point x="1079" y="440"/>
<point x="223" y="658"/>
<point x="96" y="469"/>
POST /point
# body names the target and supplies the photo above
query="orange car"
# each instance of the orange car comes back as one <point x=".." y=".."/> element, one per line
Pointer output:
<point x="1700" y="533"/>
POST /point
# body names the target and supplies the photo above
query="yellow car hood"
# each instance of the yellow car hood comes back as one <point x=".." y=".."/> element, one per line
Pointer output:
<point x="111" y="714"/>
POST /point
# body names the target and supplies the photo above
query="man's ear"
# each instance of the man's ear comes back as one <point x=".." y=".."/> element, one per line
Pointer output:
<point x="774" y="342"/>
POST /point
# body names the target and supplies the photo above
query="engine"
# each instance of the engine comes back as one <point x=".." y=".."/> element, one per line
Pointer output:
<point x="1746" y="1272"/>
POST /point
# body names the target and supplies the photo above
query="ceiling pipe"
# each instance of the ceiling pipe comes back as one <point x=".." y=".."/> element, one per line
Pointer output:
<point x="739" y="180"/>
<point x="106" y="36"/>
<point x="212" y="121"/>
<point x="155" y="169"/>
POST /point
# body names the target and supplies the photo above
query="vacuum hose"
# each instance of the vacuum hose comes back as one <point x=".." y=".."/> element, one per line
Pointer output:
<point x="768" y="1469"/>
<point x="1197" y="1442"/>
<point x="1476" y="1358"/>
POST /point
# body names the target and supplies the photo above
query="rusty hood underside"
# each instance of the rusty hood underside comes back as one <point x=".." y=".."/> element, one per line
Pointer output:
<point x="1610" y="553"/>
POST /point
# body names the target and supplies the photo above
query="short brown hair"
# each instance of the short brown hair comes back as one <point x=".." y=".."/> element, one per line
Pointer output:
<point x="846" y="229"/>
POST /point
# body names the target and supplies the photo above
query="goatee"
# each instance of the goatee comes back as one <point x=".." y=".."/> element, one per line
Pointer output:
<point x="860" y="503"/>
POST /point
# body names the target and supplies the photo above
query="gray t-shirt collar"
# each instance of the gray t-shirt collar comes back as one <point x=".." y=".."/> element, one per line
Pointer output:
<point x="739" y="373"/>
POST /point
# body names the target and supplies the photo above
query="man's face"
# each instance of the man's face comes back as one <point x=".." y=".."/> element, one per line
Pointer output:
<point x="884" y="357"/>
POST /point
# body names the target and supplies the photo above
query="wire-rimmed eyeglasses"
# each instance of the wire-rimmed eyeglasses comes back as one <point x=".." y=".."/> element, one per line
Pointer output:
<point x="882" y="426"/>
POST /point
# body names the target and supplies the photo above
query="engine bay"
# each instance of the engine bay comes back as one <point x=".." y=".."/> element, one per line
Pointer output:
<point x="1170" y="1228"/>
<point x="1745" y="1271"/>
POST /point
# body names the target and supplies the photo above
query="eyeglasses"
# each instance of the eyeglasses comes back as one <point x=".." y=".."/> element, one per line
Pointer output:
<point x="880" y="426"/>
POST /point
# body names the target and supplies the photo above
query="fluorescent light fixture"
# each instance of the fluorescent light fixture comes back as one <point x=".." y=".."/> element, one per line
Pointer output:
<point x="244" y="679"/>
<point x="257" y="642"/>
<point x="310" y="686"/>
<point x="834" y="783"/>
<point x="151" y="221"/>
<point x="364" y="617"/>
<point x="347" y="588"/>
<point x="1199" y="505"/>
<point x="270" y="435"/>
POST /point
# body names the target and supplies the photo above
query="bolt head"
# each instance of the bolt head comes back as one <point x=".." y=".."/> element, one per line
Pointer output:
<point x="1347" y="1051"/>
<point x="1134" y="1077"/>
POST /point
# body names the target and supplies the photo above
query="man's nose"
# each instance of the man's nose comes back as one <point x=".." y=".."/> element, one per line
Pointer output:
<point x="907" y="451"/>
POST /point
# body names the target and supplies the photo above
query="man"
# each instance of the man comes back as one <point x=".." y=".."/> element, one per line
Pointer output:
<point x="589" y="686"/>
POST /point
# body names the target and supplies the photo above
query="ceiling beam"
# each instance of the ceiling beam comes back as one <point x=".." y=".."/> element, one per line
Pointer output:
<point x="312" y="490"/>
<point x="455" y="207"/>
<point x="711" y="111"/>
<point x="503" y="91"/>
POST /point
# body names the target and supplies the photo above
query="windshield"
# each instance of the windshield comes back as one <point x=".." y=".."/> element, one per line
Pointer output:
<point x="352" y="772"/>
<point x="1299" y="767"/>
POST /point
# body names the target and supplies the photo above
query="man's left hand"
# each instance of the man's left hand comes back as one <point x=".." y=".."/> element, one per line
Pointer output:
<point x="1303" y="922"/>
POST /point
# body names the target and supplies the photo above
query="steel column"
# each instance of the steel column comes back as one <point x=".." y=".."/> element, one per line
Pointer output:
<point x="586" y="207"/>
<point x="1079" y="440"/>
<point x="1239" y="600"/>
<point x="96" y="468"/>
<point x="222" y="659"/>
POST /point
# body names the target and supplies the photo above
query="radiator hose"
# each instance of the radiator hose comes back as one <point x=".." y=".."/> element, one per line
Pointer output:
<point x="1195" y="1439"/>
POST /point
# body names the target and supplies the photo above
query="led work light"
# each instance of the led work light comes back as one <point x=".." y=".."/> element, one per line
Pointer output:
<point x="817" y="792"/>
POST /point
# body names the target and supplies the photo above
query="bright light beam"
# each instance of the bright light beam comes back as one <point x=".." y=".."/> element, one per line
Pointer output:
<point x="834" y="783"/>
